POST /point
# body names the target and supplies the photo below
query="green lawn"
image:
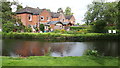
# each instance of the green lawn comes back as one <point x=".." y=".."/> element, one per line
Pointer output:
<point x="60" y="61"/>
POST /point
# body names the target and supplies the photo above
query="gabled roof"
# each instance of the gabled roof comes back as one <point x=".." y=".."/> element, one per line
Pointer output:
<point x="29" y="10"/>
<point x="54" y="15"/>
<point x="65" y="23"/>
<point x="68" y="17"/>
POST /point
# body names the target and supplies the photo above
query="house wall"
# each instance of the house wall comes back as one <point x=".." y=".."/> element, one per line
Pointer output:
<point x="62" y="17"/>
<point x="66" y="20"/>
<point x="25" y="19"/>
<point x="46" y="15"/>
<point x="72" y="20"/>
<point x="55" y="19"/>
<point x="35" y="20"/>
<point x="52" y="26"/>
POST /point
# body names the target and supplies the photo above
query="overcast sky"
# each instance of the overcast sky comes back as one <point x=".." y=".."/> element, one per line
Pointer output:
<point x="79" y="7"/>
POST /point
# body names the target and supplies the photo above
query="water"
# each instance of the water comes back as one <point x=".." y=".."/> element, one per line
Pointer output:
<point x="23" y="48"/>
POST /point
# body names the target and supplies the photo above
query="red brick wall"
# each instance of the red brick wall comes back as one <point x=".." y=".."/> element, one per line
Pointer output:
<point x="46" y="14"/>
<point x="25" y="19"/>
<point x="54" y="19"/>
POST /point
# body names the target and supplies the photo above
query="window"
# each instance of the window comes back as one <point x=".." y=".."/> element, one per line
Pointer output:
<point x="42" y="18"/>
<point x="63" y="19"/>
<point x="30" y="17"/>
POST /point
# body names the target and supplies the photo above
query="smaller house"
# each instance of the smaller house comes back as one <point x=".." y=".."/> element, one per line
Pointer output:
<point x="55" y="25"/>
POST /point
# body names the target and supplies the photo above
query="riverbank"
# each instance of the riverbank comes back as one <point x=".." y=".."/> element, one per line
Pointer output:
<point x="61" y="37"/>
<point x="60" y="61"/>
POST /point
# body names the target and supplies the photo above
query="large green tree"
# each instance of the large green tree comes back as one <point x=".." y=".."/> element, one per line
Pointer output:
<point x="101" y="11"/>
<point x="68" y="11"/>
<point x="8" y="20"/>
<point x="118" y="16"/>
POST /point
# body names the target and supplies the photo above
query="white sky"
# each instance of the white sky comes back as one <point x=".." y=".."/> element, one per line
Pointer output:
<point x="79" y="7"/>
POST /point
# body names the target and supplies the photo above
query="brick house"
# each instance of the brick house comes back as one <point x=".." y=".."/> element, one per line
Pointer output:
<point x="35" y="16"/>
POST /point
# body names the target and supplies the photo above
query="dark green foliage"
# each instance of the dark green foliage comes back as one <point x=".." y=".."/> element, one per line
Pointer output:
<point x="28" y="29"/>
<point x="8" y="27"/>
<point x="42" y="27"/>
<point x="8" y="19"/>
<point x="60" y="10"/>
<point x="118" y="16"/>
<point x="19" y="6"/>
<point x="107" y="11"/>
<point x="99" y="26"/>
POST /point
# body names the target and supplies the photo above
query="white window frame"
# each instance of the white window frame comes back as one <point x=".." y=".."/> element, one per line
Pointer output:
<point x="30" y="17"/>
<point x="42" y="17"/>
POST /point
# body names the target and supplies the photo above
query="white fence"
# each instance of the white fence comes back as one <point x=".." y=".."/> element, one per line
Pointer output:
<point x="112" y="31"/>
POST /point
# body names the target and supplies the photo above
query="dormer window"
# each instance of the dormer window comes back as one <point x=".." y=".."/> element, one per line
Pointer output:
<point x="42" y="18"/>
<point x="30" y="17"/>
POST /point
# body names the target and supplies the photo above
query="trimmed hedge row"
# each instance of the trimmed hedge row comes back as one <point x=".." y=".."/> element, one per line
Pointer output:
<point x="77" y="27"/>
<point x="61" y="37"/>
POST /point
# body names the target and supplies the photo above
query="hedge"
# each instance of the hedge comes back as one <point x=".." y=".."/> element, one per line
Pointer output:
<point x="61" y="37"/>
<point x="76" y="27"/>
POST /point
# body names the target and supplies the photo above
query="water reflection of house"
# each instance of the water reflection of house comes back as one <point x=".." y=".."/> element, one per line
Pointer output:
<point x="61" y="49"/>
<point x="31" y="49"/>
<point x="35" y="16"/>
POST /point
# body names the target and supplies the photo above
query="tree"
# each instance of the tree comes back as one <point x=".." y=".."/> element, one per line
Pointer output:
<point x="48" y="10"/>
<point x="68" y="11"/>
<point x="60" y="10"/>
<point x="8" y="20"/>
<point x="99" y="26"/>
<point x="19" y="6"/>
<point x="101" y="11"/>
<point x="42" y="27"/>
<point x="118" y="16"/>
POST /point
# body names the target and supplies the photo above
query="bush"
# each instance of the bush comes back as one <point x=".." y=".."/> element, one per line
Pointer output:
<point x="62" y="31"/>
<point x="56" y="31"/>
<point x="28" y="29"/>
<point x="76" y="27"/>
<point x="61" y="37"/>
<point x="92" y="53"/>
<point x="99" y="26"/>
<point x="42" y="27"/>
<point x="8" y="27"/>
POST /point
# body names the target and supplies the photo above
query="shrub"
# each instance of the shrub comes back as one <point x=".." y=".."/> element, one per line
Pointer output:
<point x="76" y="27"/>
<point x="62" y="31"/>
<point x="61" y="37"/>
<point x="92" y="52"/>
<point x="42" y="27"/>
<point x="28" y="29"/>
<point x="57" y="31"/>
<point x="99" y="26"/>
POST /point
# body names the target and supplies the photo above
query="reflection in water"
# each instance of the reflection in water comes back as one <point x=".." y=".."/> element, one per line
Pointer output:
<point x="31" y="49"/>
<point x="19" y="48"/>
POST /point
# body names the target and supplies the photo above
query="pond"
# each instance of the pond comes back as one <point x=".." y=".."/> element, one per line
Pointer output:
<point x="25" y="48"/>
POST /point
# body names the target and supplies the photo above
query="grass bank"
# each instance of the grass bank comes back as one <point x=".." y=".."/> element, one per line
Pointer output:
<point x="63" y="37"/>
<point x="60" y="61"/>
